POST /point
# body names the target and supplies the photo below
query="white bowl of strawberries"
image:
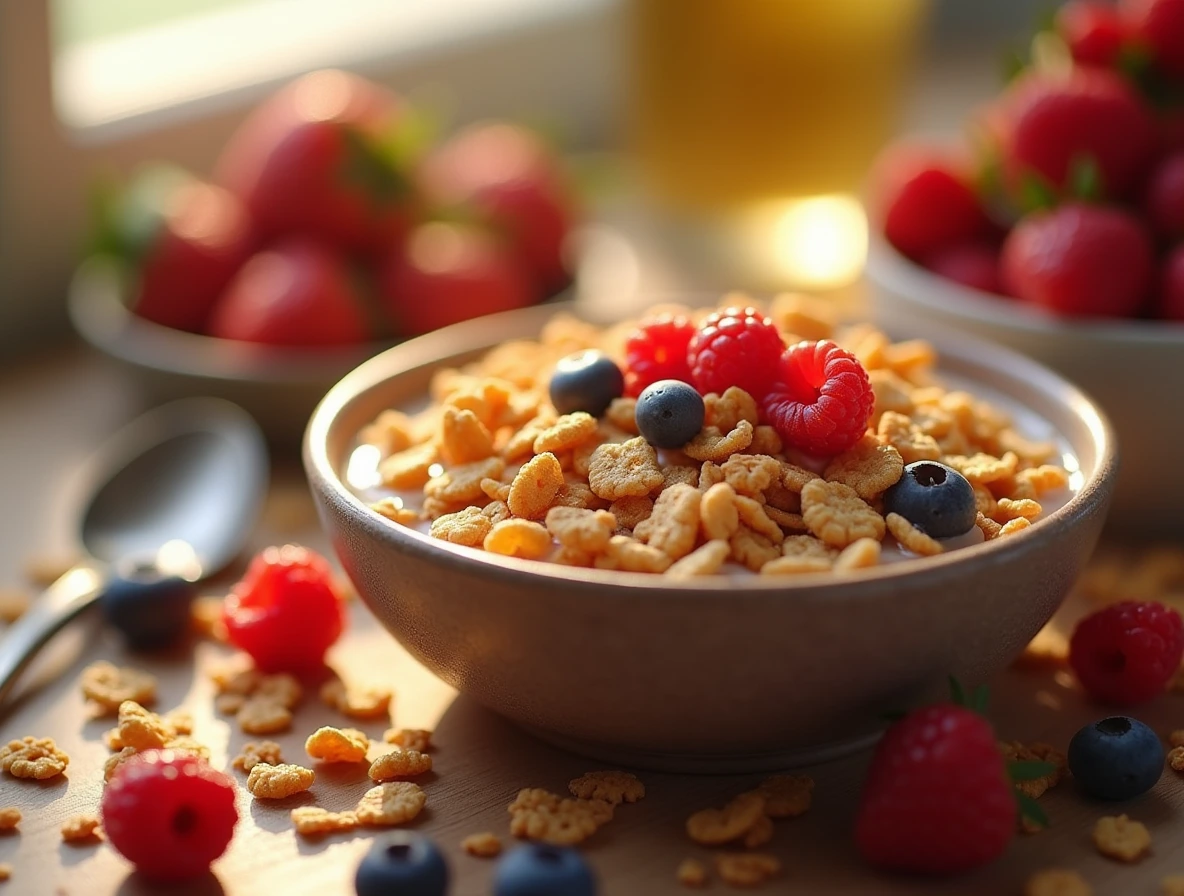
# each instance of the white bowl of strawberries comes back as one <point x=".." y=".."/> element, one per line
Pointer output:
<point x="1058" y="229"/>
<point x="331" y="227"/>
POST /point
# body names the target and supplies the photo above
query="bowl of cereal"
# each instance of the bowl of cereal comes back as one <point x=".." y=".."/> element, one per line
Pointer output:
<point x="730" y="604"/>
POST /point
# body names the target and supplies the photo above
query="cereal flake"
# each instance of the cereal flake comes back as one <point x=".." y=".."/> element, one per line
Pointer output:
<point x="1118" y="837"/>
<point x="714" y="827"/>
<point x="837" y="515"/>
<point x="275" y="782"/>
<point x="869" y="467"/>
<point x="390" y="804"/>
<point x="253" y="753"/>
<point x="82" y="828"/>
<point x="747" y="869"/>
<point x="400" y="763"/>
<point x="611" y="786"/>
<point x="911" y="538"/>
<point x="485" y="845"/>
<point x="330" y="744"/>
<point x="107" y="686"/>
<point x="312" y="821"/>
<point x="617" y="470"/>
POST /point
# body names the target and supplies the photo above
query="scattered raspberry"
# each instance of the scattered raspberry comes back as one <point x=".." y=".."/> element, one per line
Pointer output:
<point x="285" y="612"/>
<point x="1094" y="32"/>
<point x="974" y="264"/>
<point x="1163" y="198"/>
<point x="657" y="350"/>
<point x="169" y="814"/>
<point x="1128" y="652"/>
<point x="1078" y="259"/>
<point x="822" y="401"/>
<point x="1160" y="25"/>
<point x="937" y="797"/>
<point x="735" y="347"/>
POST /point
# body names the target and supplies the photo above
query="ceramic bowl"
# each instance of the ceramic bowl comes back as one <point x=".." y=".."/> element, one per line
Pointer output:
<point x="1130" y="368"/>
<point x="725" y="673"/>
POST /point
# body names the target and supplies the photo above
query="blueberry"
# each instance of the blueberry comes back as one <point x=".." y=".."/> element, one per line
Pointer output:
<point x="405" y="863"/>
<point x="149" y="609"/>
<point x="586" y="381"/>
<point x="935" y="498"/>
<point x="669" y="413"/>
<point x="1116" y="759"/>
<point x="538" y="869"/>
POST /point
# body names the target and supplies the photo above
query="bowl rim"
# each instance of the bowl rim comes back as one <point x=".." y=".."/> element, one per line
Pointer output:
<point x="474" y="335"/>
<point x="887" y="266"/>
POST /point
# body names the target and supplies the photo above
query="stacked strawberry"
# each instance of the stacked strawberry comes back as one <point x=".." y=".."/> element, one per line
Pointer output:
<point x="330" y="220"/>
<point x="1073" y="198"/>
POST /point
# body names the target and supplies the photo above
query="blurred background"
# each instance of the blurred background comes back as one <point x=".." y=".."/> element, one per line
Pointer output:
<point x="713" y="145"/>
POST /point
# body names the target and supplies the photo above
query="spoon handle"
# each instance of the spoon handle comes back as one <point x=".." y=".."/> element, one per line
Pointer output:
<point x="76" y="590"/>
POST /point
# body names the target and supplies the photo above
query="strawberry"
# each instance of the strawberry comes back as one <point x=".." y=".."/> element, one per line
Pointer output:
<point x="1081" y="260"/>
<point x="318" y="159"/>
<point x="1046" y="125"/>
<point x="1163" y="198"/>
<point x="925" y="201"/>
<point x="503" y="175"/>
<point x="973" y="263"/>
<point x="298" y="292"/>
<point x="1170" y="301"/>
<point x="937" y="798"/>
<point x="1094" y="32"/>
<point x="446" y="273"/>
<point x="1159" y="24"/>
<point x="182" y="240"/>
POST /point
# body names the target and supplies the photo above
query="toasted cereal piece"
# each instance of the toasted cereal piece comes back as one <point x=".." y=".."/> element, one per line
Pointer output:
<point x="808" y="317"/>
<point x="911" y="538"/>
<point x="140" y="728"/>
<point x="1050" y="647"/>
<point x="617" y="470"/>
<point x="80" y="828"/>
<point x="622" y="413"/>
<point x="205" y="617"/>
<point x="188" y="745"/>
<point x="983" y="469"/>
<point x="679" y="474"/>
<point x="1045" y="478"/>
<point x="400" y="763"/>
<point x="356" y="701"/>
<point x="807" y="546"/>
<point x="10" y="817"/>
<point x="1011" y="527"/>
<point x="390" y="804"/>
<point x="409" y="468"/>
<point x="263" y="715"/>
<point x="674" y="522"/>
<point x="611" y="786"/>
<point x="752" y="514"/>
<point x="714" y="827"/>
<point x="631" y="510"/>
<point x="14" y="603"/>
<point x="584" y="530"/>
<point x="116" y="760"/>
<point x="752" y="549"/>
<point x="1015" y="751"/>
<point x="869" y="467"/>
<point x="1057" y="882"/>
<point x="496" y="511"/>
<point x="751" y="474"/>
<point x="5" y="871"/>
<point x="746" y="869"/>
<point x="691" y="873"/>
<point x="33" y="757"/>
<point x="535" y="486"/>
<point x="393" y="510"/>
<point x="725" y="411"/>
<point x="907" y="438"/>
<point x="485" y="845"/>
<point x="253" y="753"/>
<point x="1007" y="509"/>
<point x="796" y="478"/>
<point x="275" y="782"/>
<point x="461" y="484"/>
<point x="714" y="445"/>
<point x="495" y="489"/>
<point x="390" y="432"/>
<point x="1172" y="885"/>
<point x="330" y="744"/>
<point x="765" y="440"/>
<point x="519" y="538"/>
<point x="719" y="516"/>
<point x="787" y="566"/>
<point x="237" y="675"/>
<point x="575" y="493"/>
<point x="463" y="437"/>
<point x="990" y="529"/>
<point x="229" y="704"/>
<point x="786" y="796"/>
<point x="107" y="686"/>
<point x="705" y="560"/>
<point x="419" y="739"/>
<point x="710" y="474"/>
<point x="861" y="554"/>
<point x="1028" y="451"/>
<point x="1118" y="837"/>
<point x="630" y="555"/>
<point x="567" y="433"/>
<point x="837" y="515"/>
<point x="537" y="814"/>
<point x="984" y="501"/>
<point x="759" y="834"/>
<point x="466" y="527"/>
<point x="283" y="688"/>
<point x="312" y="821"/>
<point x="1176" y="758"/>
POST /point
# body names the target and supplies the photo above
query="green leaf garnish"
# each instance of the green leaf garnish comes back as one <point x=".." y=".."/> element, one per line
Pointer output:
<point x="1030" y="769"/>
<point x="1030" y="810"/>
<point x="1085" y="178"/>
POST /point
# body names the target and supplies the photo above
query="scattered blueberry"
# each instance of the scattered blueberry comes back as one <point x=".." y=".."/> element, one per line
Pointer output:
<point x="935" y="498"/>
<point x="586" y="381"/>
<point x="539" y="869"/>
<point x="1116" y="759"/>
<point x="669" y="413"/>
<point x="405" y="863"/>
<point x="149" y="609"/>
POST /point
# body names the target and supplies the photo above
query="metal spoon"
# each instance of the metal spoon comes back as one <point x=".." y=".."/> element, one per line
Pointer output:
<point x="178" y="490"/>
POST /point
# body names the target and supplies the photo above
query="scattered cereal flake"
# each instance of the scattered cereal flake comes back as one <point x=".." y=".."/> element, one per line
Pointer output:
<point x="311" y="821"/>
<point x="786" y="796"/>
<point x="982" y="469"/>
<point x="116" y="760"/>
<point x="188" y="745"/>
<point x="537" y="814"/>
<point x="496" y="511"/>
<point x="107" y="686"/>
<point x="1057" y="882"/>
<point x="535" y="486"/>
<point x="463" y="437"/>
<point x="1045" y="478"/>
<point x="462" y="484"/>
<point x="33" y="757"/>
<point x="869" y="467"/>
<point x="584" y="530"/>
<point x="617" y="470"/>
<point x="330" y="744"/>
<point x="679" y="474"/>
<point x="806" y="316"/>
<point x="229" y="704"/>
<point x="80" y="828"/>
<point x="674" y="522"/>
<point x="760" y="833"/>
<point x="714" y="445"/>
<point x="631" y="510"/>
<point x="237" y="675"/>
<point x="747" y="869"/>
<point x="140" y="728"/>
<point x="718" y="514"/>
<point x="622" y="413"/>
<point x="253" y="753"/>
<point x="10" y="817"/>
<point x="282" y="688"/>
<point x="1118" y="837"/>
<point x="1015" y="751"/>
<point x="911" y="538"/>
<point x="14" y="603"/>
<point x="1011" y="527"/>
<point x="1176" y="758"/>
<point x="275" y="782"/>
<point x="861" y="554"/>
<point x="205" y="616"/>
<point x="409" y="468"/>
<point x="400" y="763"/>
<point x="485" y="845"/>
<point x="392" y="803"/>
<point x="467" y="527"/>
<point x="263" y="715"/>
<point x="1007" y="509"/>
<point x="1050" y="647"/>
<point x="705" y="560"/>
<point x="751" y="474"/>
<point x="356" y="701"/>
<point x="390" y="432"/>
<point x="519" y="538"/>
<point x="1172" y="885"/>
<point x="714" y="827"/>
<point x="419" y="739"/>
<point x="630" y="555"/>
<point x="611" y="786"/>
<point x="752" y="514"/>
<point x="725" y="412"/>
<point x="988" y="527"/>
<point x="752" y="549"/>
<point x="567" y="433"/>
<point x="836" y="514"/>
<point x="691" y="873"/>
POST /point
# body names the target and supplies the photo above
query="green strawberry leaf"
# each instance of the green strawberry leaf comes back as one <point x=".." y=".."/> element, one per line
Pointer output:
<point x="957" y="694"/>
<point x="1036" y="193"/>
<point x="1046" y="17"/>
<point x="368" y="165"/>
<point x="1012" y="64"/>
<point x="979" y="698"/>
<point x="103" y="199"/>
<point x="1030" y="770"/>
<point x="1085" y="179"/>
<point x="1030" y="810"/>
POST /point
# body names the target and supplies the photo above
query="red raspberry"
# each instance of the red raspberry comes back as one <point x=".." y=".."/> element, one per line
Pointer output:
<point x="1079" y="259"/>
<point x="1160" y="25"/>
<point x="169" y="814"/>
<point x="1094" y="32"/>
<point x="657" y="350"/>
<point x="822" y="402"/>
<point x="937" y="798"/>
<point x="735" y="347"/>
<point x="1128" y="652"/>
<point x="285" y="612"/>
<point x="1163" y="198"/>
<point x="973" y="264"/>
<point x="1170" y="301"/>
<point x="925" y="201"/>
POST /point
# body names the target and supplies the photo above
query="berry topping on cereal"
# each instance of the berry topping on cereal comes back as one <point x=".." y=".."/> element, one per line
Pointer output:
<point x="540" y="869"/>
<point x="735" y="347"/>
<point x="669" y="413"/>
<point x="1116" y="758"/>
<point x="586" y="381"/>
<point x="402" y="862"/>
<point x="285" y="612"/>
<point x="821" y="401"/>
<point x="169" y="814"/>
<point x="149" y="609"/>
<point x="935" y="498"/>
<point x="1128" y="652"/>
<point x="657" y="350"/>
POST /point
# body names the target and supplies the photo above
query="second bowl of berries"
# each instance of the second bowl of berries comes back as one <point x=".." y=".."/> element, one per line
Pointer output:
<point x="752" y="595"/>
